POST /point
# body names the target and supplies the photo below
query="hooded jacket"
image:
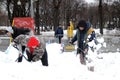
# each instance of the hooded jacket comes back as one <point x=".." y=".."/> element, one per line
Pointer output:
<point x="81" y="37"/>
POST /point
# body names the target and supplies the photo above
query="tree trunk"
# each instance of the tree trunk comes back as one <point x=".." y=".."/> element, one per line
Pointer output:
<point x="9" y="13"/>
<point x="56" y="18"/>
<point x="56" y="13"/>
<point x="100" y="17"/>
<point x="37" y="17"/>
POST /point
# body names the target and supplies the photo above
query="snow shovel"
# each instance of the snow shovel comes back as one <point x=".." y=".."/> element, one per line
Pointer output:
<point x="90" y="67"/>
<point x="20" y="53"/>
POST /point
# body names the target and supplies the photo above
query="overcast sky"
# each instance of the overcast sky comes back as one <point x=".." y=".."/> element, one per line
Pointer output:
<point x="89" y="1"/>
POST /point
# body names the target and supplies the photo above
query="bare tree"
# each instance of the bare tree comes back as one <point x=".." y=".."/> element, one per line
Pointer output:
<point x="18" y="8"/>
<point x="101" y="16"/>
<point x="37" y="19"/>
<point x="56" y="12"/>
<point x="115" y="12"/>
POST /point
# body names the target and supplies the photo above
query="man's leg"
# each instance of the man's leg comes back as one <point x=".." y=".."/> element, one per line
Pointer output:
<point x="82" y="59"/>
<point x="44" y="59"/>
<point x="82" y="56"/>
<point x="20" y="56"/>
<point x="59" y="40"/>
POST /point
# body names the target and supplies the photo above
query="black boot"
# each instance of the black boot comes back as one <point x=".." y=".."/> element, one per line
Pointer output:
<point x="20" y="59"/>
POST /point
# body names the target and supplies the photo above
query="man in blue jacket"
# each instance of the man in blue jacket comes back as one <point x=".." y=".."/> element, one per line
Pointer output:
<point x="81" y="36"/>
<point x="59" y="33"/>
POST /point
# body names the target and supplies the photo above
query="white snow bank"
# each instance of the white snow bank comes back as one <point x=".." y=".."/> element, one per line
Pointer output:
<point x="62" y="66"/>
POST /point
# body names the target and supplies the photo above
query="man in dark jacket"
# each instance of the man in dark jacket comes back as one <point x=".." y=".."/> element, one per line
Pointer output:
<point x="59" y="33"/>
<point x="82" y="33"/>
<point x="14" y="32"/>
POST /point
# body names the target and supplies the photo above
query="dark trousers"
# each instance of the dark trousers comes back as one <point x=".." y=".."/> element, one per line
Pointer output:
<point x="44" y="59"/>
<point x="59" y="40"/>
<point x="20" y="56"/>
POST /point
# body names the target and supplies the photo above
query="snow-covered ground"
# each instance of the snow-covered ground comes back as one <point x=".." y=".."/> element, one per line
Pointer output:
<point x="62" y="66"/>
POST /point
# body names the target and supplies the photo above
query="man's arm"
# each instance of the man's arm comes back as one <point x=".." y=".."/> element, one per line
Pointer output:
<point x="74" y="39"/>
<point x="92" y="36"/>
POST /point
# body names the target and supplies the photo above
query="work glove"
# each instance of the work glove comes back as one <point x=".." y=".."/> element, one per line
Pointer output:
<point x="70" y="42"/>
<point x="89" y="39"/>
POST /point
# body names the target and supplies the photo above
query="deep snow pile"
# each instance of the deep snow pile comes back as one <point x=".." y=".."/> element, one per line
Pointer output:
<point x="62" y="66"/>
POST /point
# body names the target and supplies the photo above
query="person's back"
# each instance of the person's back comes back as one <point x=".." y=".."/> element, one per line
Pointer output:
<point x="19" y="31"/>
<point x="59" y="33"/>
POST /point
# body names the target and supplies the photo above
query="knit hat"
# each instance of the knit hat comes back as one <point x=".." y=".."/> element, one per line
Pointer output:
<point x="9" y="29"/>
<point x="33" y="42"/>
<point x="82" y="23"/>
